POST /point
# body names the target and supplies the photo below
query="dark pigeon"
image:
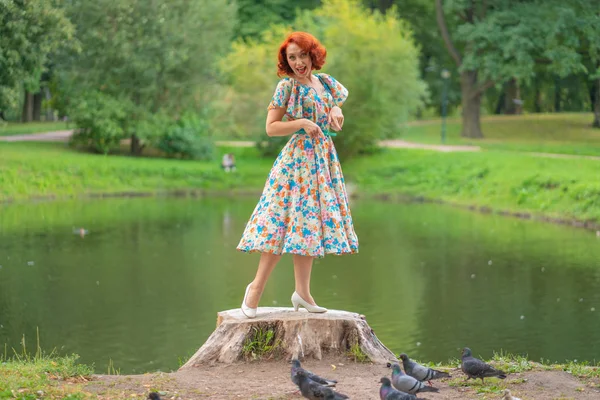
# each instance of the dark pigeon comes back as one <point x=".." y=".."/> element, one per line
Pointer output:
<point x="475" y="368"/>
<point x="154" y="396"/>
<point x="314" y="391"/>
<point x="387" y="392"/>
<point x="297" y="367"/>
<point x="408" y="384"/>
<point x="420" y="372"/>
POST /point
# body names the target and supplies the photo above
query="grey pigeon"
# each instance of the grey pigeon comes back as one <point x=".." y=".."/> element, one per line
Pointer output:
<point x="314" y="391"/>
<point x="154" y="396"/>
<point x="297" y="367"/>
<point x="408" y="384"/>
<point x="475" y="368"/>
<point x="420" y="372"/>
<point x="387" y="392"/>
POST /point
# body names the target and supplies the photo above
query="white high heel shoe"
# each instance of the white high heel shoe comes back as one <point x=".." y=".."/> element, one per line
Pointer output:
<point x="298" y="301"/>
<point x="248" y="312"/>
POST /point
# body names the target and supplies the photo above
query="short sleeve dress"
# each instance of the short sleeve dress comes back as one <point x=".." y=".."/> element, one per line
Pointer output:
<point x="304" y="208"/>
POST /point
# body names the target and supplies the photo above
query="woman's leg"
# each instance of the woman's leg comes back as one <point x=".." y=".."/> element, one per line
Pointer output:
<point x="266" y="265"/>
<point x="302" y="269"/>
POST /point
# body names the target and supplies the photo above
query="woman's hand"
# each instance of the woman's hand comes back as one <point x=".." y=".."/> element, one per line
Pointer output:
<point x="336" y="118"/>
<point x="311" y="128"/>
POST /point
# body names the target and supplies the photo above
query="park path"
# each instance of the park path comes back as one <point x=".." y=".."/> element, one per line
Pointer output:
<point x="58" y="136"/>
<point x="63" y="136"/>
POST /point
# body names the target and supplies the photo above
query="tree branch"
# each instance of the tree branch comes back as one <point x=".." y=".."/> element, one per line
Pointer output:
<point x="441" y="20"/>
<point x="482" y="88"/>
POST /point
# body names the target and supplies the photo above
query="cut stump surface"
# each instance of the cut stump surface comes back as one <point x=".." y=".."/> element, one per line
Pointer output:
<point x="291" y="335"/>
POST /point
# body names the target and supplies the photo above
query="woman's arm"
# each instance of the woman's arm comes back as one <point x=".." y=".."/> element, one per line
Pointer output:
<point x="276" y="127"/>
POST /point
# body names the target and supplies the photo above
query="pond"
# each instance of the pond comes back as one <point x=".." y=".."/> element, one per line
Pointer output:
<point x="140" y="290"/>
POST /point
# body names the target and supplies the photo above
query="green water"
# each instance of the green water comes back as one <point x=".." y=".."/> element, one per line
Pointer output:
<point x="142" y="289"/>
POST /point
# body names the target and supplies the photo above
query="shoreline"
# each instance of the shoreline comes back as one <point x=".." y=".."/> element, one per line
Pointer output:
<point x="385" y="197"/>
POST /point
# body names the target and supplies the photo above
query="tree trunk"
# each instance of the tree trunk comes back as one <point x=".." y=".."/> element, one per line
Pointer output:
<point x="27" y="115"/>
<point x="136" y="146"/>
<point x="279" y="332"/>
<point x="37" y="106"/>
<point x="49" y="110"/>
<point x="512" y="98"/>
<point x="538" y="97"/>
<point x="596" y="123"/>
<point x="557" y="95"/>
<point x="471" y="105"/>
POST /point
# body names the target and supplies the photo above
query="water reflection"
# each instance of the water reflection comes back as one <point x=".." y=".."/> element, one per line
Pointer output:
<point x="143" y="286"/>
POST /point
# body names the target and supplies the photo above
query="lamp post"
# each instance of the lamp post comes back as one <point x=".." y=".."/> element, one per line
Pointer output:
<point x="445" y="77"/>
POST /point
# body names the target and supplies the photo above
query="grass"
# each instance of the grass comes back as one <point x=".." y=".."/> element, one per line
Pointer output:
<point x="30" y="170"/>
<point x="517" y="182"/>
<point x="17" y="128"/>
<point x="565" y="133"/>
<point x="261" y="344"/>
<point x="494" y="179"/>
<point x="26" y="375"/>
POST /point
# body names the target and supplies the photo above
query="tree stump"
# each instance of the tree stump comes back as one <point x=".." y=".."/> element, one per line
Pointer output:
<point x="283" y="332"/>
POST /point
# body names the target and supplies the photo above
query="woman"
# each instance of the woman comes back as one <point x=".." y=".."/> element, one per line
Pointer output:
<point x="303" y="209"/>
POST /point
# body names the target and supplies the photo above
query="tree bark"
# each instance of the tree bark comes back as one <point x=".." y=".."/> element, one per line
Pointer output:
<point x="471" y="105"/>
<point x="27" y="115"/>
<point x="49" y="110"/>
<point x="136" y="146"/>
<point x="596" y="123"/>
<point x="512" y="93"/>
<point x="37" y="106"/>
<point x="557" y="95"/>
<point x="298" y="335"/>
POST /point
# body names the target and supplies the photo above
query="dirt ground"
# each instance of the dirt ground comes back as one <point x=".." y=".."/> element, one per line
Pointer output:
<point x="271" y="380"/>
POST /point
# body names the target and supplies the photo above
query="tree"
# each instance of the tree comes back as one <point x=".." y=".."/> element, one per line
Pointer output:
<point x="382" y="75"/>
<point x="254" y="16"/>
<point x="29" y="32"/>
<point x="152" y="56"/>
<point x="493" y="42"/>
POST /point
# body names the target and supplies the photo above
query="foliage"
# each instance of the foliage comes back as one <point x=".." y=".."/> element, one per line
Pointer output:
<point x="29" y="32"/>
<point x="188" y="138"/>
<point x="254" y="15"/>
<point x="357" y="41"/>
<point x="100" y="120"/>
<point x="157" y="57"/>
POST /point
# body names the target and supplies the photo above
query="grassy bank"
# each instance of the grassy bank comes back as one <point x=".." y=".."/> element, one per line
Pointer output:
<point x="16" y="128"/>
<point x="568" y="133"/>
<point x="517" y="182"/>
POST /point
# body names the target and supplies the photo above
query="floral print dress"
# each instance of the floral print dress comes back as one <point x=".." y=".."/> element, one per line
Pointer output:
<point x="304" y="206"/>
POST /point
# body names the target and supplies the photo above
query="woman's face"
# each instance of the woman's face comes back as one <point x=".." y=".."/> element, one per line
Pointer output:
<point x="299" y="60"/>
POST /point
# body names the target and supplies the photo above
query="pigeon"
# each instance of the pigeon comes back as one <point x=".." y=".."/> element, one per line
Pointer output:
<point x="314" y="391"/>
<point x="297" y="367"/>
<point x="408" y="384"/>
<point x="475" y="368"/>
<point x="419" y="372"/>
<point x="154" y="396"/>
<point x="387" y="392"/>
<point x="507" y="396"/>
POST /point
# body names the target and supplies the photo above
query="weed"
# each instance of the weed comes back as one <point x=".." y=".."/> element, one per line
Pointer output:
<point x="261" y="343"/>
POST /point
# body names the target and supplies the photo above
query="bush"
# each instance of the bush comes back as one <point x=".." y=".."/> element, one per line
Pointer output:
<point x="189" y="137"/>
<point x="99" y="119"/>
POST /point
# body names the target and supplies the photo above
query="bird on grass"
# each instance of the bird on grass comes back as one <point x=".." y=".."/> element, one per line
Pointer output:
<point x="315" y="391"/>
<point x="154" y="396"/>
<point x="387" y="392"/>
<point x="420" y="372"/>
<point x="475" y="368"/>
<point x="296" y="366"/>
<point x="408" y="384"/>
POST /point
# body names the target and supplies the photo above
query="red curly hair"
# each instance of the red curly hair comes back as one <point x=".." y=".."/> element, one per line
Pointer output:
<point x="306" y="42"/>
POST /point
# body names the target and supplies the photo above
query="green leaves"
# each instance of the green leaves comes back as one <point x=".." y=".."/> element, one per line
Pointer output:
<point x="29" y="32"/>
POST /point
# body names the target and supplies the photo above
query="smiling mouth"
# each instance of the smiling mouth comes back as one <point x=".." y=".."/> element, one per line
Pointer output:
<point x="301" y="70"/>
